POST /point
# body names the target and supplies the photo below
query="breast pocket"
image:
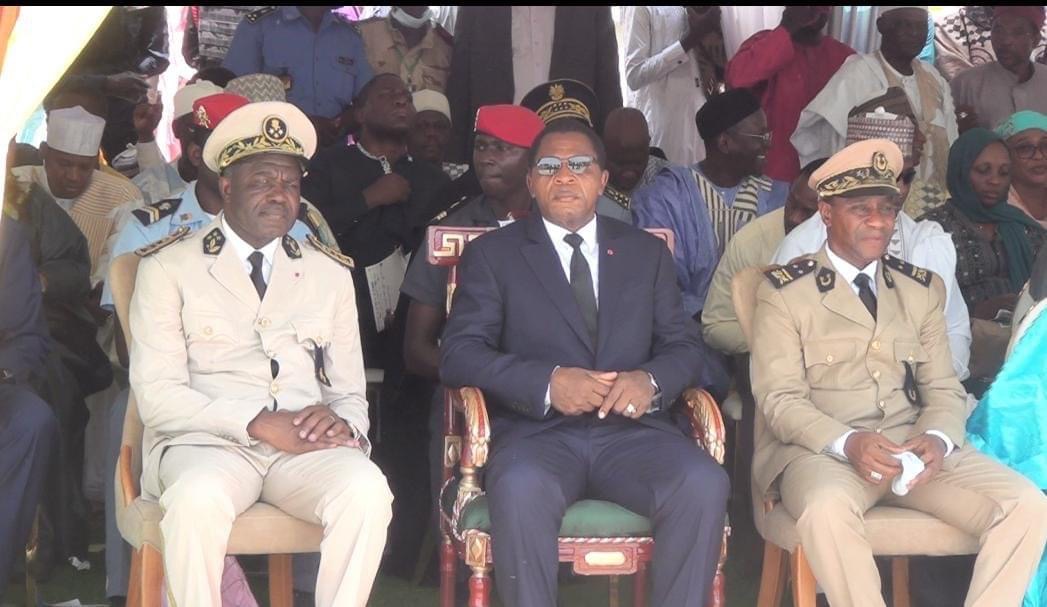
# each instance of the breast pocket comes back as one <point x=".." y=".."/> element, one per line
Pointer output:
<point x="911" y="352"/>
<point x="343" y="72"/>
<point x="828" y="362"/>
<point x="210" y="340"/>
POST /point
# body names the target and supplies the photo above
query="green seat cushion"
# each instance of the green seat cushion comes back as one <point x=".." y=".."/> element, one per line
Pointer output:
<point x="586" y="518"/>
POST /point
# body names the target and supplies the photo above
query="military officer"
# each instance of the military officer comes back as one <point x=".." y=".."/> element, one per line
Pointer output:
<point x="201" y="201"/>
<point x="851" y="366"/>
<point x="247" y="366"/>
<point x="316" y="52"/>
<point x="408" y="43"/>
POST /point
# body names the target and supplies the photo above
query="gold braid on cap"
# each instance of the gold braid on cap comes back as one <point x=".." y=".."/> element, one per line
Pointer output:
<point x="564" y="108"/>
<point x="273" y="138"/>
<point x="878" y="174"/>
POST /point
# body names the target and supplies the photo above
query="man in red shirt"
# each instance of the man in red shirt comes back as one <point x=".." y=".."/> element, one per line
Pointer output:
<point x="787" y="67"/>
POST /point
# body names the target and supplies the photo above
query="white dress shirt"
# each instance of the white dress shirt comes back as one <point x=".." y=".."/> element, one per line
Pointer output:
<point x="244" y="250"/>
<point x="662" y="79"/>
<point x="589" y="248"/>
<point x="923" y="244"/>
<point x="532" y="43"/>
<point x="848" y="272"/>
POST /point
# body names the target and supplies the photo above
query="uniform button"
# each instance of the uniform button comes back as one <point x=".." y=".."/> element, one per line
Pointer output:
<point x="876" y="345"/>
<point x="208" y="330"/>
<point x="911" y="359"/>
<point x="270" y="353"/>
<point x="274" y="388"/>
<point x="879" y="430"/>
<point x="264" y="323"/>
<point x="882" y="405"/>
<point x="829" y="358"/>
<point x="876" y="375"/>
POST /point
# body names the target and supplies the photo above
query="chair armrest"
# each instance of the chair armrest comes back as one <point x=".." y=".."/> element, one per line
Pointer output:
<point x="476" y="436"/>
<point x="706" y="422"/>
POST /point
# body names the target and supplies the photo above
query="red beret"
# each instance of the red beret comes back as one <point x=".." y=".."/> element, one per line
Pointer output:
<point x="510" y="123"/>
<point x="210" y="110"/>
<point x="1033" y="14"/>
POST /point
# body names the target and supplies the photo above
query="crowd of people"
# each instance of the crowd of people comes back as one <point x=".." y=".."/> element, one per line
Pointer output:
<point x="897" y="207"/>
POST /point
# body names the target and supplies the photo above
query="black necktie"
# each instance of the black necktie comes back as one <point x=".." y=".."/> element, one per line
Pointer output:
<point x="582" y="284"/>
<point x="865" y="293"/>
<point x="256" y="273"/>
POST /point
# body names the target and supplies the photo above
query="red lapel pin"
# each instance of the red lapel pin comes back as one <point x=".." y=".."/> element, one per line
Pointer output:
<point x="610" y="251"/>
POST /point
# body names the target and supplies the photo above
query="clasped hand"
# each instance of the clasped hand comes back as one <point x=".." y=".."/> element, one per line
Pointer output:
<point x="870" y="452"/>
<point x="314" y="428"/>
<point x="574" y="391"/>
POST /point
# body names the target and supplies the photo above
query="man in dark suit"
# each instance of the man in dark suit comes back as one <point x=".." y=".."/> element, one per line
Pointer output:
<point x="502" y="52"/>
<point x="574" y="328"/>
<point x="28" y="428"/>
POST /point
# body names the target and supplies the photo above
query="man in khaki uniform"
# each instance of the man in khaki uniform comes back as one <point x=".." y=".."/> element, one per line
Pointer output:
<point x="409" y="44"/>
<point x="851" y="366"/>
<point x="247" y="366"/>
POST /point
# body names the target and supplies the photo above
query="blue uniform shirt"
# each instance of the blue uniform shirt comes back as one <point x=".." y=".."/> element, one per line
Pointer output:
<point x="325" y="69"/>
<point x="141" y="229"/>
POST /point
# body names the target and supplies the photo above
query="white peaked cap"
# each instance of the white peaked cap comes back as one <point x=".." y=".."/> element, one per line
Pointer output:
<point x="74" y="131"/>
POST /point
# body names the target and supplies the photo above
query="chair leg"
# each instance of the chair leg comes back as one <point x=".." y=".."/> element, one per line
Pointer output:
<point x="900" y="581"/>
<point x="281" y="585"/>
<point x="448" y="562"/>
<point x="480" y="587"/>
<point x="134" y="582"/>
<point x="640" y="586"/>
<point x="805" y="589"/>
<point x="772" y="578"/>
<point x="152" y="576"/>
<point x="613" y="596"/>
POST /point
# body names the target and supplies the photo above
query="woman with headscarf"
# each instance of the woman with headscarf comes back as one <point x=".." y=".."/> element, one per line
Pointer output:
<point x="1026" y="136"/>
<point x="1010" y="422"/>
<point x="996" y="243"/>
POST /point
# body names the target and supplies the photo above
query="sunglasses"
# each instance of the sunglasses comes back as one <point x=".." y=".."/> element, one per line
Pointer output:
<point x="907" y="177"/>
<point x="1027" y="151"/>
<point x="551" y="165"/>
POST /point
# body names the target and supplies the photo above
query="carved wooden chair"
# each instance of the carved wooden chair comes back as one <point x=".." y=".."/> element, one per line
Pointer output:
<point x="261" y="529"/>
<point x="596" y="537"/>
<point x="893" y="532"/>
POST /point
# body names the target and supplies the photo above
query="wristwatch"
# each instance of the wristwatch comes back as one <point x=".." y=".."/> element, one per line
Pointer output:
<point x="656" y="400"/>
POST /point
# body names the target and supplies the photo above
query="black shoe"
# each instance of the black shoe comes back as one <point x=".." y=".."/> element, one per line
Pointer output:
<point x="117" y="601"/>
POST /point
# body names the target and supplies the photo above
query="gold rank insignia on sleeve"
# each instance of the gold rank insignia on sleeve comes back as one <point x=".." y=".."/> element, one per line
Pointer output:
<point x="783" y="275"/>
<point x="291" y="247"/>
<point x="213" y="242"/>
<point x="916" y="273"/>
<point x="168" y="240"/>
<point x="328" y="251"/>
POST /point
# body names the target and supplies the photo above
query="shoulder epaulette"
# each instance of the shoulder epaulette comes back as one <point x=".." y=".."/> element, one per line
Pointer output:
<point x="311" y="217"/>
<point x="328" y="251"/>
<point x="255" y="15"/>
<point x="155" y="211"/>
<point x="166" y="241"/>
<point x="916" y="273"/>
<point x="617" y="197"/>
<point x="783" y="275"/>
<point x="442" y="215"/>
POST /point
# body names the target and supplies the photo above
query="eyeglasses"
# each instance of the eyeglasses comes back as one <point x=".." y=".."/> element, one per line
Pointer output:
<point x="907" y="176"/>
<point x="1027" y="151"/>
<point x="551" y="165"/>
<point x="764" y="137"/>
<point x="864" y="211"/>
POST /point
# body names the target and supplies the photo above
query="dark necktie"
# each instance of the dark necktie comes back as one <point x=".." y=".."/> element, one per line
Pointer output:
<point x="865" y="293"/>
<point x="582" y="284"/>
<point x="256" y="273"/>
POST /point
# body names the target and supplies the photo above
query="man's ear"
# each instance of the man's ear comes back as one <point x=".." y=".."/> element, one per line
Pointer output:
<point x="825" y="210"/>
<point x="530" y="189"/>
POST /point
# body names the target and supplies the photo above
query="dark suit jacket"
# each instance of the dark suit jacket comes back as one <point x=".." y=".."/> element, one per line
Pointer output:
<point x="24" y="343"/>
<point x="514" y="319"/>
<point x="584" y="49"/>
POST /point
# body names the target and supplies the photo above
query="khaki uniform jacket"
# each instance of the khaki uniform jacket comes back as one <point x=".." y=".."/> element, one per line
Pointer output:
<point x="821" y="366"/>
<point x="203" y="345"/>
<point x="426" y="66"/>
